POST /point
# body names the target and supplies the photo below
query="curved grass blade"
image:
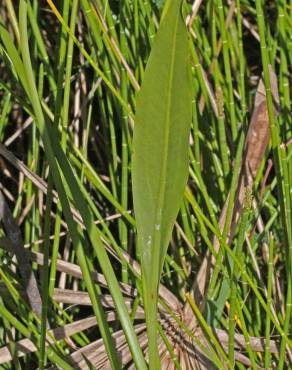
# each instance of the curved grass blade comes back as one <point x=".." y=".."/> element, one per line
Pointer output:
<point x="54" y="152"/>
<point x="160" y="158"/>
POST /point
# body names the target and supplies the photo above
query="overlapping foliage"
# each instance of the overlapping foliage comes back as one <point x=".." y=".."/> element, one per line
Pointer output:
<point x="82" y="118"/>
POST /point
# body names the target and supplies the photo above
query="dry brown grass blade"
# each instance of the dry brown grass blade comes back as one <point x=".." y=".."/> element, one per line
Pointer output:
<point x="27" y="275"/>
<point x="96" y="354"/>
<point x="185" y="348"/>
<point x="257" y="344"/>
<point x="170" y="298"/>
<point x="69" y="268"/>
<point x="186" y="352"/>
<point x="195" y="8"/>
<point x="26" y="346"/>
<point x="20" y="166"/>
<point x="257" y="139"/>
<point x="35" y="179"/>
<point x="74" y="297"/>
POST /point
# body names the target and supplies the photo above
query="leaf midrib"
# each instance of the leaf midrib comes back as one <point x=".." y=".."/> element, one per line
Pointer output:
<point x="157" y="250"/>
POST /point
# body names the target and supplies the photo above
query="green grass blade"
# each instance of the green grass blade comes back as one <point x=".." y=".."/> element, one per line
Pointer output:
<point x="53" y="149"/>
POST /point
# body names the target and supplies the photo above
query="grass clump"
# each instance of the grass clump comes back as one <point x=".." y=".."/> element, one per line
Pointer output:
<point x="145" y="200"/>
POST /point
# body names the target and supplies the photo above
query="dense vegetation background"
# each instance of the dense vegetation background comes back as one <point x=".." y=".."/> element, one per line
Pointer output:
<point x="70" y="74"/>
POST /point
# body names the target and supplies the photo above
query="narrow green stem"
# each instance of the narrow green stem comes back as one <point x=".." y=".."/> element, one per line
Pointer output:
<point x="278" y="159"/>
<point x="235" y="274"/>
<point x="227" y="67"/>
<point x="269" y="302"/>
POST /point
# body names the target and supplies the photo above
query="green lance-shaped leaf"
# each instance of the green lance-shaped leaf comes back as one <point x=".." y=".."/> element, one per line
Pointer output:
<point x="160" y="151"/>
